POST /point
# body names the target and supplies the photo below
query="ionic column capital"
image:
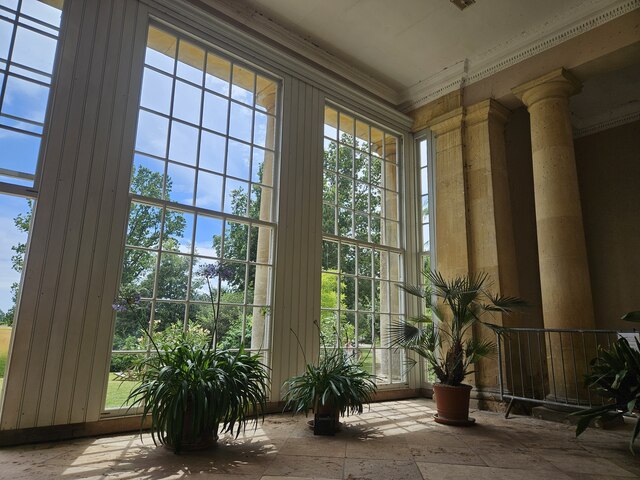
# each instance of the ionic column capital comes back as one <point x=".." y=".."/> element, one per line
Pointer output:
<point x="559" y="83"/>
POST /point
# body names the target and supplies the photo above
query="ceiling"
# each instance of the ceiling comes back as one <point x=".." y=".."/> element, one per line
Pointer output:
<point x="404" y="43"/>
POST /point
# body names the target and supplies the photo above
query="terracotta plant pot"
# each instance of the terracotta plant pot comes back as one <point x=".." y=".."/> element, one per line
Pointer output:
<point x="452" y="404"/>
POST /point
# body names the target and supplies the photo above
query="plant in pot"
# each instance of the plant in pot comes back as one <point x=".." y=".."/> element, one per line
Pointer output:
<point x="442" y="336"/>
<point x="193" y="391"/>
<point x="337" y="384"/>
<point x="615" y="376"/>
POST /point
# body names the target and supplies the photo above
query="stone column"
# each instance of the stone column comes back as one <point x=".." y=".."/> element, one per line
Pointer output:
<point x="261" y="296"/>
<point x="389" y="264"/>
<point x="564" y="273"/>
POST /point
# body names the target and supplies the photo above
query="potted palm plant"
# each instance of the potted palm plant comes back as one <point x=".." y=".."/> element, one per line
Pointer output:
<point x="337" y="384"/>
<point x="443" y="338"/>
<point x="193" y="391"/>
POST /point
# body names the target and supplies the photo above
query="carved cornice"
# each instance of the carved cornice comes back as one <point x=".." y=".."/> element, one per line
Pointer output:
<point x="590" y="14"/>
<point x="613" y="122"/>
<point x="505" y="56"/>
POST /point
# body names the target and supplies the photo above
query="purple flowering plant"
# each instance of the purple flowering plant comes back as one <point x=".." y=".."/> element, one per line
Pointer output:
<point x="125" y="303"/>
<point x="217" y="272"/>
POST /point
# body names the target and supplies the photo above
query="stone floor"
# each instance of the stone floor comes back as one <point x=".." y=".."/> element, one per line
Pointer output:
<point x="393" y="440"/>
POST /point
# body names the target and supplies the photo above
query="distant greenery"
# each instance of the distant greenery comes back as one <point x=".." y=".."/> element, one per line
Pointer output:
<point x="3" y="363"/>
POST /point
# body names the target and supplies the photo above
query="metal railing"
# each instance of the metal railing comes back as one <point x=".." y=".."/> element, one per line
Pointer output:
<point x="546" y="366"/>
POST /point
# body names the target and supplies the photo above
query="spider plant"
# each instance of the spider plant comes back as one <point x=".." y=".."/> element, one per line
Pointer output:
<point x="192" y="389"/>
<point x="193" y="392"/>
<point x="336" y="385"/>
<point x="337" y="381"/>
<point x="442" y="336"/>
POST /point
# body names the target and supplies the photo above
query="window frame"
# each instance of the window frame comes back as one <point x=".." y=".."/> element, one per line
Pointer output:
<point x="165" y="204"/>
<point x="400" y="250"/>
<point x="426" y="377"/>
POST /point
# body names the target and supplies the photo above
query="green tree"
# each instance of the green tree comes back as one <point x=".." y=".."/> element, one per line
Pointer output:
<point x="351" y="184"/>
<point x="138" y="272"/>
<point x="22" y="222"/>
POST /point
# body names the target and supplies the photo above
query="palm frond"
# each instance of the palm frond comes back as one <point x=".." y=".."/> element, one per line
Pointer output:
<point x="462" y="302"/>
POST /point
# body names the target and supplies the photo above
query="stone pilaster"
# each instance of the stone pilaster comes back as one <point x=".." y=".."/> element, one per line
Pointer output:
<point x="490" y="228"/>
<point x="451" y="214"/>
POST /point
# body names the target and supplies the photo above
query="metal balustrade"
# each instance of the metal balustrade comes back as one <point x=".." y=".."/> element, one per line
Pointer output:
<point x="546" y="366"/>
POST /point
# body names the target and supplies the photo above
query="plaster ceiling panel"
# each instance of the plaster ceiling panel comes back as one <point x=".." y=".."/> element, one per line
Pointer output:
<point x="606" y="97"/>
<point x="403" y="42"/>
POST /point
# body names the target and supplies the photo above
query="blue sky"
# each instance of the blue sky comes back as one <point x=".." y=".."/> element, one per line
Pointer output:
<point x="26" y="100"/>
<point x="9" y="207"/>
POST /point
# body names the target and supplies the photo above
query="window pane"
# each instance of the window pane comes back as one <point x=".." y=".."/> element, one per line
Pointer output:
<point x="25" y="99"/>
<point x="184" y="143"/>
<point x="243" y="86"/>
<point x="19" y="151"/>
<point x="178" y="240"/>
<point x="235" y="197"/>
<point x="238" y="159"/>
<point x="209" y="194"/>
<point x="152" y="134"/>
<point x="173" y="276"/>
<point x="215" y="113"/>
<point x="240" y="122"/>
<point x="217" y="74"/>
<point x="186" y="102"/>
<point x="266" y="93"/>
<point x="262" y="167"/>
<point x="212" y="151"/>
<point x="156" y="91"/>
<point x="143" y="229"/>
<point x="180" y="184"/>
<point x="208" y="235"/>
<point x="34" y="50"/>
<point x="346" y="134"/>
<point x="161" y="49"/>
<point x="147" y="177"/>
<point x="190" y="62"/>
<point x="330" y="123"/>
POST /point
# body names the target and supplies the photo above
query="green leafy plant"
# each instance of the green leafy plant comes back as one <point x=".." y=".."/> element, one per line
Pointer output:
<point x="191" y="388"/>
<point x="442" y="336"/>
<point x="336" y="381"/>
<point x="191" y="391"/>
<point x="615" y="376"/>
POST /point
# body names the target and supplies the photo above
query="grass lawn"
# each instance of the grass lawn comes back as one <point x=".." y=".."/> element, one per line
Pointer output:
<point x="118" y="391"/>
<point x="3" y="363"/>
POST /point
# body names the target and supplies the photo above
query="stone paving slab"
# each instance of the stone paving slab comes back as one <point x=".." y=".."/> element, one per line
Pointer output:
<point x="391" y="440"/>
